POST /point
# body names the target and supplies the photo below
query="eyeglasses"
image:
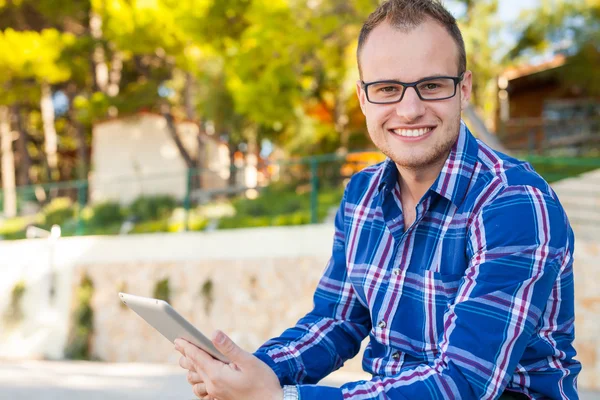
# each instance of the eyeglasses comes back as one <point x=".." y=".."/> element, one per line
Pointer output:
<point x="428" y="89"/>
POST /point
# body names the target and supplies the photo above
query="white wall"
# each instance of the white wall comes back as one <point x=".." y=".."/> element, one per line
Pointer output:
<point x="263" y="282"/>
<point x="44" y="330"/>
<point x="136" y="155"/>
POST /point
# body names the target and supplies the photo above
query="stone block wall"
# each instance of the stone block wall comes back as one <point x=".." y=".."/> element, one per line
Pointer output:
<point x="252" y="284"/>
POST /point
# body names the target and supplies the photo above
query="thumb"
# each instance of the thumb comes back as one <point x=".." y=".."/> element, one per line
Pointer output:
<point x="229" y="349"/>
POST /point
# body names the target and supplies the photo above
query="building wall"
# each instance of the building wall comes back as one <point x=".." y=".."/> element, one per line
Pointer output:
<point x="524" y="130"/>
<point x="262" y="281"/>
<point x="136" y="156"/>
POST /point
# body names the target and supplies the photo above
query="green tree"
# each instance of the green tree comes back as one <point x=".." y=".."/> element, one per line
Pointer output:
<point x="572" y="28"/>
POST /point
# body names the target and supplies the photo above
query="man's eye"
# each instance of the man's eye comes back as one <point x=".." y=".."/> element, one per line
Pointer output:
<point x="431" y="86"/>
<point x="388" y="89"/>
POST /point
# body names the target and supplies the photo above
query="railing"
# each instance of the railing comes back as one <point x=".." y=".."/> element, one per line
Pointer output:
<point x="287" y="192"/>
<point x="540" y="135"/>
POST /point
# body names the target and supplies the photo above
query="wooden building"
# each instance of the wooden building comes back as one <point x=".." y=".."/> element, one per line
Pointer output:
<point x="541" y="109"/>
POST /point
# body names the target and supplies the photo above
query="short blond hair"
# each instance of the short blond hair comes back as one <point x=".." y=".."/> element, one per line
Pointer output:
<point x="405" y="15"/>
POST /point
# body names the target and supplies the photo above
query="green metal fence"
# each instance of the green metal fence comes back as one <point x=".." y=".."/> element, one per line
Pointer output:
<point x="288" y="192"/>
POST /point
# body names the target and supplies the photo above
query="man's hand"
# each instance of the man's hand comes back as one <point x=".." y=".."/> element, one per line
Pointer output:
<point x="194" y="378"/>
<point x="246" y="378"/>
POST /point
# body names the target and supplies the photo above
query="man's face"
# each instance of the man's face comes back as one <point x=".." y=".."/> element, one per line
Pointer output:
<point x="427" y="50"/>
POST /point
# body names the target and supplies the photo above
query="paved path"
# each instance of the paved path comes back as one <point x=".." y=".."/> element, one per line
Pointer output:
<point x="103" y="381"/>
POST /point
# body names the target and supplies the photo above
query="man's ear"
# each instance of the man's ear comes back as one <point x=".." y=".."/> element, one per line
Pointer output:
<point x="362" y="98"/>
<point x="466" y="86"/>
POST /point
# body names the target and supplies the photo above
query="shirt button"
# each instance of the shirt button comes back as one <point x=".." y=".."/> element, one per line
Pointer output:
<point x="382" y="324"/>
<point x="396" y="271"/>
<point x="396" y="356"/>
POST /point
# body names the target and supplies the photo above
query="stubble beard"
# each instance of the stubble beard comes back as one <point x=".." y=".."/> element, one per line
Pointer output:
<point x="435" y="155"/>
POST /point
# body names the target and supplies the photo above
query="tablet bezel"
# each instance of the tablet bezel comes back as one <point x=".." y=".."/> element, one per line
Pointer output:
<point x="162" y="316"/>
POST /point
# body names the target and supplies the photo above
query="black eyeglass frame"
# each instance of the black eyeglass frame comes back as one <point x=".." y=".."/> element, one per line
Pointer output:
<point x="456" y="79"/>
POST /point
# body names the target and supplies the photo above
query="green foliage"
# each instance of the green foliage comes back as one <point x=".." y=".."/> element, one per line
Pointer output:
<point x="36" y="55"/>
<point x="106" y="214"/>
<point x="161" y="225"/>
<point x="207" y="294"/>
<point x="58" y="211"/>
<point x="14" y="313"/>
<point x="155" y="207"/>
<point x="14" y="228"/>
<point x="280" y="205"/>
<point x="559" y="168"/>
<point x="548" y="27"/>
<point x="195" y="223"/>
<point x="79" y="343"/>
<point x="162" y="291"/>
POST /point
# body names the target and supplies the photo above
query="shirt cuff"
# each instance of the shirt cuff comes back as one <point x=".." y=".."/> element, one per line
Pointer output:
<point x="314" y="392"/>
<point x="283" y="370"/>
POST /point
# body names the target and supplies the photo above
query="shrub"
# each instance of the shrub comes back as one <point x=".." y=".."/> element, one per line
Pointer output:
<point x="281" y="205"/>
<point x="14" y="314"/>
<point x="14" y="228"/>
<point x="297" y="218"/>
<point x="151" y="226"/>
<point x="197" y="224"/>
<point x="162" y="290"/>
<point x="207" y="294"/>
<point x="79" y="345"/>
<point x="107" y="213"/>
<point x="149" y="208"/>
<point x="244" y="221"/>
<point x="58" y="211"/>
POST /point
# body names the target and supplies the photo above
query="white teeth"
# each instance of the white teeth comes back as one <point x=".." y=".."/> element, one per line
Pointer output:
<point x="411" y="132"/>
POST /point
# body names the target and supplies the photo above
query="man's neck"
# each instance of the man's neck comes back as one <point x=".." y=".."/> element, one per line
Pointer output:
<point x="414" y="183"/>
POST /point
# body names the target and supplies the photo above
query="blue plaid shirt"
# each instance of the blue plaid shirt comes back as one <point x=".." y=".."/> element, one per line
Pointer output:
<point x="474" y="298"/>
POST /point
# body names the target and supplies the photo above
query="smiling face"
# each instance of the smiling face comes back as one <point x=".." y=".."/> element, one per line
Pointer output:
<point x="415" y="134"/>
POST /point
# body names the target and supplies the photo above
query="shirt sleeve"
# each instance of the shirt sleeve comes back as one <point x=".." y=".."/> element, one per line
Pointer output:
<point x="519" y="243"/>
<point x="330" y="334"/>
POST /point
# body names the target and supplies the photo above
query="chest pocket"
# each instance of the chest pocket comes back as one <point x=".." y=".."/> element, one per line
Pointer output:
<point x="440" y="287"/>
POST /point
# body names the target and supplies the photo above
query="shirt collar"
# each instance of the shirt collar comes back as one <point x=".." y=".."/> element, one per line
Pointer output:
<point x="454" y="180"/>
<point x="455" y="177"/>
<point x="388" y="176"/>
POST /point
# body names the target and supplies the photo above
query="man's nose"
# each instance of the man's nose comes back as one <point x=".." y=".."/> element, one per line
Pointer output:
<point x="411" y="107"/>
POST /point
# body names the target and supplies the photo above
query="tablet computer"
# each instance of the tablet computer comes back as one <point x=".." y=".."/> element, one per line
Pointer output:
<point x="160" y="315"/>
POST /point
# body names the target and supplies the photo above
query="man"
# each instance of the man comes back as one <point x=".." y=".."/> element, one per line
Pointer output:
<point x="456" y="260"/>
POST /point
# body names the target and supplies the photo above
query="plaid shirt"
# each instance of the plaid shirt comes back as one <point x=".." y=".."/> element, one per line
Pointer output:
<point x="474" y="298"/>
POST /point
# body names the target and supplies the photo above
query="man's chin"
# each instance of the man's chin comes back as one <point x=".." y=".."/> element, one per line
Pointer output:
<point x="415" y="163"/>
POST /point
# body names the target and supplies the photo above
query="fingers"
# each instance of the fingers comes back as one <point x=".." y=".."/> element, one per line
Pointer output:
<point x="199" y="390"/>
<point x="194" y="378"/>
<point x="232" y="351"/>
<point x="186" y="363"/>
<point x="203" y="363"/>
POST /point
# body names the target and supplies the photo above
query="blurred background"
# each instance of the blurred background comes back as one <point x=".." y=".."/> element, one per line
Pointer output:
<point x="196" y="151"/>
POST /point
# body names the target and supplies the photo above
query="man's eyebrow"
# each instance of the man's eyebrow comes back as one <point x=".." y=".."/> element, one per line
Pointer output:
<point x="399" y="80"/>
<point x="416" y="80"/>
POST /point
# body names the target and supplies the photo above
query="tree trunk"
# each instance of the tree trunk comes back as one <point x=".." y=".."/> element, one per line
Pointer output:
<point x="100" y="69"/>
<point x="50" y="137"/>
<point x="233" y="172"/>
<point x="116" y="66"/>
<point x="8" y="165"/>
<point x="341" y="122"/>
<point x="24" y="160"/>
<point x="189" y="161"/>
<point x="188" y="97"/>
<point x="78" y="128"/>
<point x="190" y="113"/>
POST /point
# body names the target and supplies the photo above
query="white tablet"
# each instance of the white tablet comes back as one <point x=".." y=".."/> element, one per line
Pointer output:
<point x="169" y="322"/>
